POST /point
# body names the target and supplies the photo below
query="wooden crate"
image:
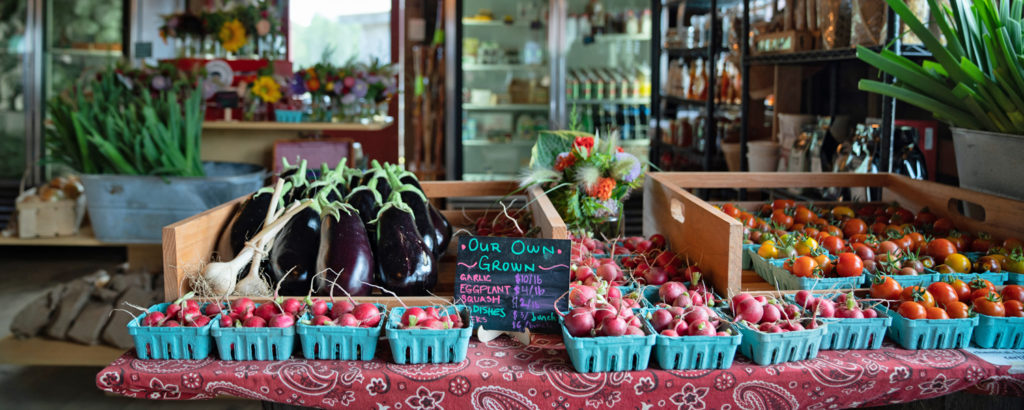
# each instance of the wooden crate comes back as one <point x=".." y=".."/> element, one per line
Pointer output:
<point x="705" y="234"/>
<point x="189" y="243"/>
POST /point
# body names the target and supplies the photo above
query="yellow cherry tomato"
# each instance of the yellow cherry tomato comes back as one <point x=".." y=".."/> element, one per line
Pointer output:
<point x="958" y="262"/>
<point x="768" y="250"/>
<point x="840" y="212"/>
<point x="811" y="243"/>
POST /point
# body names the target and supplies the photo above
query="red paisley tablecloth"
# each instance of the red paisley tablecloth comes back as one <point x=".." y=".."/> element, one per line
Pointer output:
<point x="505" y="375"/>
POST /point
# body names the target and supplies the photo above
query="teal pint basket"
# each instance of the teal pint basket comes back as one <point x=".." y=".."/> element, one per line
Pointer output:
<point x="916" y="334"/>
<point x="163" y="343"/>
<point x="774" y="348"/>
<point x="339" y="342"/>
<point x="999" y="332"/>
<point x="748" y="249"/>
<point x="253" y="343"/>
<point x="762" y="267"/>
<point x="1014" y="278"/>
<point x="773" y="273"/>
<point x="608" y="353"/>
<point x="851" y="334"/>
<point x="288" y="115"/>
<point x="693" y="352"/>
<point x="418" y="346"/>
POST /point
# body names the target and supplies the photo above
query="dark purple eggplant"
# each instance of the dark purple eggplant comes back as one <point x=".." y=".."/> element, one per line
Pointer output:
<point x="415" y="200"/>
<point x="408" y="178"/>
<point x="404" y="264"/>
<point x="246" y="222"/>
<point x="442" y="229"/>
<point x="366" y="201"/>
<point x="345" y="253"/>
<point x="381" y="185"/>
<point x="294" y="253"/>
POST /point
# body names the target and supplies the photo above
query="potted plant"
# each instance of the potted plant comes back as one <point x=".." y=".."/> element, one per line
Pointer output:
<point x="137" y="146"/>
<point x="975" y="83"/>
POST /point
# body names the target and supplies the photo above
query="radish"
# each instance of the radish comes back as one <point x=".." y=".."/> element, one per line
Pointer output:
<point x="660" y="319"/>
<point x="697" y="299"/>
<point x="612" y="326"/>
<point x="432" y="323"/>
<point x="341" y="308"/>
<point x="172" y="323"/>
<point x="254" y="321"/>
<point x="736" y="299"/>
<point x="791" y="311"/>
<point x="683" y="301"/>
<point x="413" y="316"/>
<point x="812" y="324"/>
<point x="580" y="295"/>
<point x="604" y="311"/>
<point x="153" y="319"/>
<point x="614" y="293"/>
<point x="431" y="312"/>
<point x="771" y="313"/>
<point x="226" y="321"/>
<point x="266" y="311"/>
<point x="750" y="310"/>
<point x="292" y="306"/>
<point x="804" y="299"/>
<point x="665" y="258"/>
<point x="321" y="320"/>
<point x="681" y="327"/>
<point x="579" y="322"/>
<point x="792" y="326"/>
<point x="634" y="321"/>
<point x="761" y="299"/>
<point x="634" y="331"/>
<point x="825" y="308"/>
<point x="367" y="314"/>
<point x="669" y="291"/>
<point x="198" y="321"/>
<point x="243" y="305"/>
<point x="173" y="310"/>
<point x="608" y="272"/>
<point x="701" y="328"/>
<point x="583" y="272"/>
<point x="870" y="313"/>
<point x="212" y="309"/>
<point x="669" y="332"/>
<point x="191" y="305"/>
<point x="697" y="314"/>
<point x="282" y="320"/>
<point x="317" y="307"/>
<point x="765" y="327"/>
<point x="656" y="276"/>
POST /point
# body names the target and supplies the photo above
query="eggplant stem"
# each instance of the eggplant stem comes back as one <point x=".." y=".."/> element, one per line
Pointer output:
<point x="388" y="292"/>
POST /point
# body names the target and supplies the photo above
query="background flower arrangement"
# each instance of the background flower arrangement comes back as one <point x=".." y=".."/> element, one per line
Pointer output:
<point x="586" y="177"/>
<point x="245" y="29"/>
<point x="351" y="92"/>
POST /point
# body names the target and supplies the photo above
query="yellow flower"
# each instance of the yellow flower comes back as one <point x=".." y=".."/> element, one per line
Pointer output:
<point x="267" y="89"/>
<point x="232" y="35"/>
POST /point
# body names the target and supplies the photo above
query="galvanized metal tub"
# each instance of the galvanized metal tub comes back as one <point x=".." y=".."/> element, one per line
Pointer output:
<point x="990" y="162"/>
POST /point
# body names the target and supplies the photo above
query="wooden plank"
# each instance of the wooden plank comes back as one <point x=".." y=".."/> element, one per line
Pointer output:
<point x="1003" y="217"/>
<point x="292" y="126"/>
<point x="462" y="189"/>
<point x="85" y="237"/>
<point x="695" y="229"/>
<point x="190" y="243"/>
<point x="772" y="179"/>
<point x="545" y="215"/>
<point x="46" y="352"/>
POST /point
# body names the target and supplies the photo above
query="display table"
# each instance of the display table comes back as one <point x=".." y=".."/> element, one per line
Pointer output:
<point x="503" y="374"/>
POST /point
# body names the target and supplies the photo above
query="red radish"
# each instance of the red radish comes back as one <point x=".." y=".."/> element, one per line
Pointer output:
<point x="431" y="312"/>
<point x="812" y="324"/>
<point x="341" y="308"/>
<point x="681" y="327"/>
<point x="318" y="307"/>
<point x="432" y="323"/>
<point x="583" y="272"/>
<point x="656" y="276"/>
<point x="657" y="241"/>
<point x="740" y="297"/>
<point x="792" y="326"/>
<point x="255" y="321"/>
<point x="669" y="332"/>
<point x="771" y="313"/>
<point x="697" y="314"/>
<point x="198" y="321"/>
<point x="634" y="331"/>
<point x="282" y="320"/>
<point x="321" y="320"/>
<point x="413" y="316"/>
<point x="665" y="258"/>
<point x="712" y="316"/>
<point x="226" y="321"/>
<point x="825" y="308"/>
<point x="243" y="305"/>
<point x="266" y="311"/>
<point x="612" y="326"/>
<point x="722" y="334"/>
<point x="841" y="299"/>
<point x="775" y="329"/>
<point x="696" y="297"/>
<point x="173" y="310"/>
<point x="761" y="299"/>
<point x="153" y="319"/>
<point x="669" y="291"/>
<point x="348" y="320"/>
<point x="791" y="311"/>
<point x="608" y="271"/>
<point x="750" y="310"/>
<point x="603" y="312"/>
<point x="172" y="323"/>
<point x="634" y="321"/>
<point x="870" y="313"/>
<point x="579" y="322"/>
<point x="683" y="301"/>
<point x="614" y="293"/>
<point x="764" y="327"/>
<point x="580" y="295"/>
<point x="643" y="246"/>
<point x="701" y="328"/>
<point x="590" y="243"/>
<point x="804" y="299"/>
<point x="660" y="319"/>
<point x="292" y="306"/>
<point x="212" y="309"/>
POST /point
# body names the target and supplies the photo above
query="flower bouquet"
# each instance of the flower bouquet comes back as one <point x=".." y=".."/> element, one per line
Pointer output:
<point x="586" y="178"/>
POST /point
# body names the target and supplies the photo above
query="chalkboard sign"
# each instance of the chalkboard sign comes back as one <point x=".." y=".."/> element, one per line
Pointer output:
<point x="511" y="284"/>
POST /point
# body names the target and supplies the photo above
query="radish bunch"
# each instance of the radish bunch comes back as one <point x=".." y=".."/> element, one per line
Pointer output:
<point x="183" y="312"/>
<point x="679" y="295"/>
<point x="661" y="266"/>
<point x="690" y="321"/>
<point x="593" y="271"/>
<point x="431" y="317"/>
<point x="768" y="314"/>
<point x="346" y="313"/>
<point x="602" y="319"/>
<point x="245" y="313"/>
<point x="845" y="306"/>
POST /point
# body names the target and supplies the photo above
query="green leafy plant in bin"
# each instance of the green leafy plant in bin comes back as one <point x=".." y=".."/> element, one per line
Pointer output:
<point x="976" y="80"/>
<point x="106" y="127"/>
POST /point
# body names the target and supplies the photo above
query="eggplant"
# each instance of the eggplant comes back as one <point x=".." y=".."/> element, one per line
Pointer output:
<point x="246" y="222"/>
<point x="415" y="200"/>
<point x="293" y="255"/>
<point x="345" y="253"/>
<point x="366" y="201"/>
<point x="404" y="264"/>
<point x="381" y="185"/>
<point x="408" y="178"/>
<point x="442" y="229"/>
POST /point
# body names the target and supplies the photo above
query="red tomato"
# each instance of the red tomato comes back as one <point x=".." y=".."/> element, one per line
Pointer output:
<point x="917" y="238"/>
<point x="1012" y="243"/>
<point x="979" y="283"/>
<point x="943" y="293"/>
<point x="940" y="248"/>
<point x="849" y="265"/>
<point x="919" y="295"/>
<point x="1013" y="292"/>
<point x="885" y="287"/>
<point x="834" y="231"/>
<point x="981" y="293"/>
<point x="803" y="215"/>
<point x="1014" y="308"/>
<point x="990" y="306"/>
<point x="804" y="267"/>
<point x="832" y="244"/>
<point x="877" y="228"/>
<point x="925" y="218"/>
<point x="936" y="313"/>
<point x="779" y="217"/>
<point x="958" y="310"/>
<point x="783" y="203"/>
<point x="963" y="291"/>
<point x="854" y="226"/>
<point x="912" y="310"/>
<point x="942" y="226"/>
<point x="731" y="210"/>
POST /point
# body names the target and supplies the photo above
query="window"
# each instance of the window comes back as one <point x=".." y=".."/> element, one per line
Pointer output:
<point x="339" y="30"/>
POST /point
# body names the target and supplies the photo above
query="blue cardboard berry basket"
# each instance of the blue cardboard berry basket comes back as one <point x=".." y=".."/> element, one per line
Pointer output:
<point x="163" y="343"/>
<point x="774" y="348"/>
<point x="253" y="343"/>
<point x="852" y="334"/>
<point x="773" y="273"/>
<point x="288" y="115"/>
<point x="418" y="346"/>
<point x="693" y="352"/>
<point x="916" y="334"/>
<point x="997" y="278"/>
<point x="608" y="353"/>
<point x="999" y="332"/>
<point x="339" y="342"/>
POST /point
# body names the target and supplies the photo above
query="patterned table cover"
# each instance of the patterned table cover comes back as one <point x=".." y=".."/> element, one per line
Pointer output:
<point x="505" y="375"/>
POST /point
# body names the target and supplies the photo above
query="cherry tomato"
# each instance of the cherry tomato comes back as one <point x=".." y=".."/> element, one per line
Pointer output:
<point x="940" y="249"/>
<point x="1015" y="264"/>
<point x="979" y="283"/>
<point x="877" y="228"/>
<point x="942" y="226"/>
<point x="1014" y="308"/>
<point x="885" y="287"/>
<point x="912" y="310"/>
<point x="804" y="266"/>
<point x="768" y="250"/>
<point x="925" y="218"/>
<point x="958" y="262"/>
<point x="803" y="215"/>
<point x="917" y="238"/>
<point x="731" y="210"/>
<point x="936" y="313"/>
<point x="849" y="265"/>
<point x="841" y="212"/>
<point x="783" y="203"/>
<point x="958" y="310"/>
<point x="983" y="243"/>
<point x="1012" y="243"/>
<point x="834" y="231"/>
<point x="958" y="240"/>
<point x="1013" y="292"/>
<point x="981" y="293"/>
<point x="987" y="264"/>
<point x="832" y="244"/>
<point x="919" y="295"/>
<point x="991" y="305"/>
<point x="863" y="251"/>
<point x="821" y="258"/>
<point x="943" y="293"/>
<point x="854" y="226"/>
<point x="779" y="217"/>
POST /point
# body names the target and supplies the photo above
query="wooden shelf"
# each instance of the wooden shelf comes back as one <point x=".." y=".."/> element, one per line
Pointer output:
<point x="46" y="352"/>
<point x="85" y="237"/>
<point x="293" y="126"/>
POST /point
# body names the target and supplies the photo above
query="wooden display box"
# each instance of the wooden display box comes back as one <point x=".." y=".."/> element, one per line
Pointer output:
<point x="707" y="235"/>
<point x="191" y="242"/>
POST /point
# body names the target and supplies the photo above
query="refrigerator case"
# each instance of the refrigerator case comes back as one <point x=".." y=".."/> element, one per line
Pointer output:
<point x="524" y="67"/>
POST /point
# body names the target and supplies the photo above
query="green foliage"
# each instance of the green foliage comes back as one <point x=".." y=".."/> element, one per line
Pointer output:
<point x="976" y="80"/>
<point x="550" y="143"/>
<point x="108" y="128"/>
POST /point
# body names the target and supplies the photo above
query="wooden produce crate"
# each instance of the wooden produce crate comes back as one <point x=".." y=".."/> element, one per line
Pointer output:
<point x="707" y="235"/>
<point x="190" y="243"/>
